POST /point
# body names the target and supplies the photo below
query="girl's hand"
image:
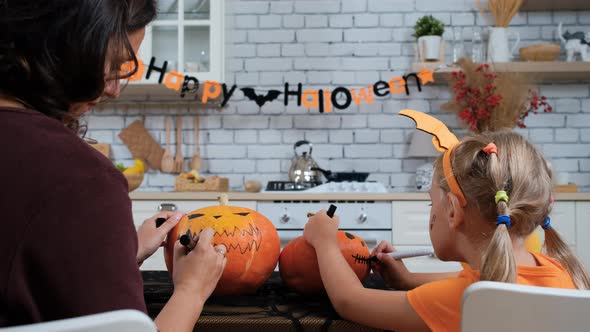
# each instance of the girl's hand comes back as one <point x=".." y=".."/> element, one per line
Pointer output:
<point x="321" y="229"/>
<point x="150" y="238"/>
<point x="198" y="272"/>
<point x="393" y="271"/>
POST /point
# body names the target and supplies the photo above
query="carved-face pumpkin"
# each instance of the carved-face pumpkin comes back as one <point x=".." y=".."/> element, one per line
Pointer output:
<point x="298" y="263"/>
<point x="252" y="243"/>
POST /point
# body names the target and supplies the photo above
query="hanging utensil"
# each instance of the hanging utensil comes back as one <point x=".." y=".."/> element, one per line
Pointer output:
<point x="196" y="161"/>
<point x="179" y="160"/>
<point x="167" y="159"/>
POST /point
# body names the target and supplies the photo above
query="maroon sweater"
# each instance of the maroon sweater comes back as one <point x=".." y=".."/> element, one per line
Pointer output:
<point x="68" y="245"/>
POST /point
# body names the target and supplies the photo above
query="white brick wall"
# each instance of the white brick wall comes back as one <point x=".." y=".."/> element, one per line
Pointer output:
<point x="331" y="43"/>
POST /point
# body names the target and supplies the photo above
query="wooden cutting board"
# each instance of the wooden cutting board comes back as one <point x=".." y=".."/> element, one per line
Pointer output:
<point x="103" y="148"/>
<point x="566" y="188"/>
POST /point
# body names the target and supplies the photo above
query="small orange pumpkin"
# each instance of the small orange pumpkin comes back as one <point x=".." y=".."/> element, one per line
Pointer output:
<point x="252" y="243"/>
<point x="298" y="263"/>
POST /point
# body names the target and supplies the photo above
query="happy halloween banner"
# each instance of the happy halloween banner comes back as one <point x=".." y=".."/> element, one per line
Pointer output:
<point x="323" y="99"/>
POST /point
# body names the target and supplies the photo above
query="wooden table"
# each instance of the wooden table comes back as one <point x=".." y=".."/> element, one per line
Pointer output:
<point x="272" y="308"/>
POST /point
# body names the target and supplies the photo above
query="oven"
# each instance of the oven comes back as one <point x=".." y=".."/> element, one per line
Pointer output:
<point x="371" y="220"/>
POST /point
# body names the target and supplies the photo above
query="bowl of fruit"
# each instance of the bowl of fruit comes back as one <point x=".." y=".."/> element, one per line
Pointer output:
<point x="133" y="174"/>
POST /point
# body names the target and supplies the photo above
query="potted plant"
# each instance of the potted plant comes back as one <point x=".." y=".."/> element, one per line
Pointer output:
<point x="428" y="31"/>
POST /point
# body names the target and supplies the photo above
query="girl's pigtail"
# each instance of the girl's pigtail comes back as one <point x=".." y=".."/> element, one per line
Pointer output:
<point x="558" y="249"/>
<point x="498" y="262"/>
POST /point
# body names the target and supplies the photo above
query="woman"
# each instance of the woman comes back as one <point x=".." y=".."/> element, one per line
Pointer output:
<point x="69" y="246"/>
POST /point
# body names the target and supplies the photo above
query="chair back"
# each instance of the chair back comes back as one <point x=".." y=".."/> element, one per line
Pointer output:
<point x="496" y="306"/>
<point x="120" y="320"/>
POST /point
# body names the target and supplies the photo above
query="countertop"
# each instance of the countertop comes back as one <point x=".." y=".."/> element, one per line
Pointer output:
<point x="300" y="196"/>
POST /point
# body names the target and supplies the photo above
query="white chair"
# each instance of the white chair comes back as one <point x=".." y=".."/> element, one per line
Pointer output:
<point x="120" y="320"/>
<point x="496" y="306"/>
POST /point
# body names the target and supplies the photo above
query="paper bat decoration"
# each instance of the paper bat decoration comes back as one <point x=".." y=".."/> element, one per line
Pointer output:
<point x="261" y="99"/>
<point x="443" y="141"/>
<point x="442" y="138"/>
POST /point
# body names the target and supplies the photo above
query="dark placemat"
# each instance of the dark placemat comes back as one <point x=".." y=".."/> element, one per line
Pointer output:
<point x="273" y="306"/>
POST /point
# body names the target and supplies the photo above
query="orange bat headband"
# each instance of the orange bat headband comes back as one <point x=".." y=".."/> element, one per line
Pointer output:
<point x="444" y="141"/>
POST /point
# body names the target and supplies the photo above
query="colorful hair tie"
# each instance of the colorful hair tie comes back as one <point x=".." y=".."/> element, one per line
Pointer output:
<point x="501" y="196"/>
<point x="503" y="220"/>
<point x="547" y="223"/>
<point x="490" y="148"/>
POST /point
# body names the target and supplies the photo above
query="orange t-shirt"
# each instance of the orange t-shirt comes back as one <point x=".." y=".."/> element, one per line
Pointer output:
<point x="439" y="303"/>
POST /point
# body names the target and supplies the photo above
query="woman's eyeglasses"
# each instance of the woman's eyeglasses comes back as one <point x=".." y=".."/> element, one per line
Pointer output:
<point x="82" y="131"/>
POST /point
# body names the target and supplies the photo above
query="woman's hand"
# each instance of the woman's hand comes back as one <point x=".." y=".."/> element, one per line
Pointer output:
<point x="321" y="229"/>
<point x="393" y="271"/>
<point x="150" y="237"/>
<point x="198" y="271"/>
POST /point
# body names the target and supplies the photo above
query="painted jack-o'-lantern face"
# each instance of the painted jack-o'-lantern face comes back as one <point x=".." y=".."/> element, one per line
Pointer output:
<point x="298" y="263"/>
<point x="252" y="243"/>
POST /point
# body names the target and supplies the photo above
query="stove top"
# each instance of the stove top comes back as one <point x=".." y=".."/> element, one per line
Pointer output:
<point x="289" y="186"/>
<point x="334" y="187"/>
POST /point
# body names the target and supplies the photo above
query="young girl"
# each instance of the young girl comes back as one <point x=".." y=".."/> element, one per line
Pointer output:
<point x="495" y="191"/>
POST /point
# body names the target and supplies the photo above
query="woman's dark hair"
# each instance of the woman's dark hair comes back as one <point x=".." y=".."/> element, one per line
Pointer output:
<point x="53" y="53"/>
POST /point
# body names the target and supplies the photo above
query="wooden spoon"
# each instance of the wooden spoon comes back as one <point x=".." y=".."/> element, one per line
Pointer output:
<point x="196" y="161"/>
<point x="167" y="160"/>
<point x="179" y="160"/>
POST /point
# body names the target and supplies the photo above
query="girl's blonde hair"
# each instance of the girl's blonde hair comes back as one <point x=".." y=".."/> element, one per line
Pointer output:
<point x="520" y="170"/>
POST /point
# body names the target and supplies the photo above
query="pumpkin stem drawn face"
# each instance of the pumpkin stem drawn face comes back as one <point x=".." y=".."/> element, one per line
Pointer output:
<point x="252" y="243"/>
<point x="225" y="234"/>
<point x="299" y="268"/>
<point x="359" y="258"/>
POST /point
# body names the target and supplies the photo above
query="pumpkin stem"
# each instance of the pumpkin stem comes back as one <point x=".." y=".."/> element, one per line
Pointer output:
<point x="223" y="199"/>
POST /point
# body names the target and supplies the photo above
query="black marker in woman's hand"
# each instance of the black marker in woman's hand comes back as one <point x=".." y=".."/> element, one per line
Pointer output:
<point x="188" y="241"/>
<point x="160" y="221"/>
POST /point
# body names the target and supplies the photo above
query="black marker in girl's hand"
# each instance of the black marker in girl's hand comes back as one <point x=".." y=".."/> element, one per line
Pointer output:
<point x="331" y="210"/>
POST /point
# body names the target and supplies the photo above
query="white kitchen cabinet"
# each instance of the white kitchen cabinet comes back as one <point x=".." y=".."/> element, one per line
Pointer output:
<point x="583" y="232"/>
<point x="189" y="34"/>
<point x="411" y="231"/>
<point x="410" y="223"/>
<point x="563" y="219"/>
<point x="144" y="209"/>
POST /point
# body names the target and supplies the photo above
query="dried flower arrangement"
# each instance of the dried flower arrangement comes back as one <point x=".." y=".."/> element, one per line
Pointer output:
<point x="502" y="11"/>
<point x="489" y="101"/>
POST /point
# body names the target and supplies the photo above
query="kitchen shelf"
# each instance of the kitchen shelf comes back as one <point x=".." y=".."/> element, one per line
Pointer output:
<point x="133" y="93"/>
<point x="542" y="5"/>
<point x="550" y="71"/>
